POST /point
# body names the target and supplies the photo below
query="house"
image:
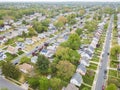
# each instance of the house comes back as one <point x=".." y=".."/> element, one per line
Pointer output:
<point x="87" y="53"/>
<point x="2" y="40"/>
<point x="76" y="79"/>
<point x="35" y="39"/>
<point x="17" y="23"/>
<point x="43" y="51"/>
<point x="53" y="48"/>
<point x="41" y="36"/>
<point x="2" y="29"/>
<point x="2" y="55"/>
<point x="71" y="86"/>
<point x="81" y="69"/>
<point x="49" y="54"/>
<point x="20" y="45"/>
<point x="91" y="49"/>
<point x="12" y="50"/>
<point x="85" y="61"/>
<point x="29" y="41"/>
<point x="60" y="40"/>
<point x="6" y="27"/>
<point x="34" y="59"/>
<point x="23" y="28"/>
<point x="25" y="67"/>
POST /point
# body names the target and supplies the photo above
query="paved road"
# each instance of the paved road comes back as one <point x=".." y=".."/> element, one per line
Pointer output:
<point x="17" y="60"/>
<point x="9" y="85"/>
<point x="101" y="74"/>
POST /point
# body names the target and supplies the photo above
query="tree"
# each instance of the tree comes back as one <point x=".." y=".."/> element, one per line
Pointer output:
<point x="44" y="83"/>
<point x="82" y="11"/>
<point x="34" y="82"/>
<point x="114" y="52"/>
<point x="65" y="70"/>
<point x="60" y="22"/>
<point x="73" y="42"/>
<point x="24" y="34"/>
<point x="71" y="19"/>
<point x="1" y="23"/>
<point x="9" y="70"/>
<point x="79" y="31"/>
<point x="65" y="53"/>
<point x="56" y="84"/>
<point x="31" y="32"/>
<point x="24" y="22"/>
<point x="111" y="87"/>
<point x="24" y="59"/>
<point x="62" y="19"/>
<point x="46" y="22"/>
<point x="40" y="27"/>
<point x="42" y="64"/>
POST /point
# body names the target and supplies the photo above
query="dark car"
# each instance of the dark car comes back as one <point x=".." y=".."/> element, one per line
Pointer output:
<point x="105" y="71"/>
<point x="107" y="53"/>
<point x="105" y="76"/>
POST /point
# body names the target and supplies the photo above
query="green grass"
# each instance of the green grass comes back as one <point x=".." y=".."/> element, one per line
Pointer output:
<point x="20" y="52"/>
<point x="113" y="73"/>
<point x="10" y="56"/>
<point x="113" y="64"/>
<point x="95" y="58"/>
<point x="92" y="66"/>
<point x="114" y="80"/>
<point x="89" y="77"/>
<point x="83" y="86"/>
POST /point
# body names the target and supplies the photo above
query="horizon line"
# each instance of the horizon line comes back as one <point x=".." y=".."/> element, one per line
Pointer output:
<point x="58" y="1"/>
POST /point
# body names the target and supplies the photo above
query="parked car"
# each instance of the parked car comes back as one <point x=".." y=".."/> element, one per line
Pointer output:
<point x="103" y="87"/>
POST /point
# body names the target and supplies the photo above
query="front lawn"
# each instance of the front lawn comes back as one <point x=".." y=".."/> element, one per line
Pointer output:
<point x="20" y="52"/>
<point x="83" y="87"/>
<point x="10" y="56"/>
<point x="89" y="77"/>
<point x="92" y="66"/>
<point x="113" y="73"/>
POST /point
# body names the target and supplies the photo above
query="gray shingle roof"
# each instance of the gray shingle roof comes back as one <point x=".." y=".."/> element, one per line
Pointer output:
<point x="82" y="67"/>
<point x="78" y="78"/>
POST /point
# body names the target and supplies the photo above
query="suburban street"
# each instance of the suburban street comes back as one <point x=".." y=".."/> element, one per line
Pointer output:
<point x="102" y="73"/>
<point x="4" y="83"/>
<point x="29" y="53"/>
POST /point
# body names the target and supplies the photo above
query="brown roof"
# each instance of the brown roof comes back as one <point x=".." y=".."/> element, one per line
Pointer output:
<point x="26" y="67"/>
<point x="71" y="87"/>
<point x="11" y="49"/>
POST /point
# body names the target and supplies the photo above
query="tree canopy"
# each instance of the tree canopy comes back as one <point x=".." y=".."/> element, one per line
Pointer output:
<point x="79" y="31"/>
<point x="42" y="64"/>
<point x="71" y="19"/>
<point x="56" y="84"/>
<point x="65" y="70"/>
<point x="65" y="53"/>
<point x="60" y="22"/>
<point x="73" y="42"/>
<point x="115" y="50"/>
<point x="111" y="87"/>
<point x="44" y="83"/>
<point x="9" y="70"/>
<point x="32" y="32"/>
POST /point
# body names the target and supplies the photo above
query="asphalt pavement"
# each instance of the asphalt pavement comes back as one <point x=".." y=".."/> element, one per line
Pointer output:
<point x="102" y="75"/>
<point x="4" y="83"/>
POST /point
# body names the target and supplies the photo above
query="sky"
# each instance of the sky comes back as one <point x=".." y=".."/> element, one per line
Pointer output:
<point x="58" y="0"/>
